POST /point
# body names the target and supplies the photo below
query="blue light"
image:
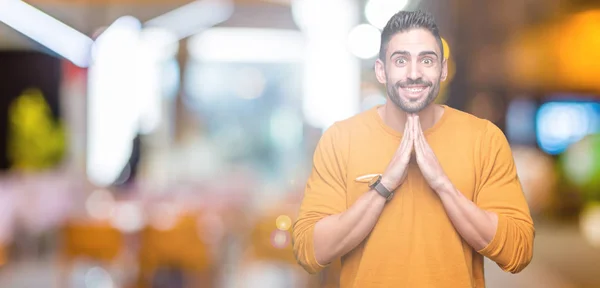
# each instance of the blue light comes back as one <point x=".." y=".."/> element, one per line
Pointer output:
<point x="560" y="124"/>
<point x="520" y="121"/>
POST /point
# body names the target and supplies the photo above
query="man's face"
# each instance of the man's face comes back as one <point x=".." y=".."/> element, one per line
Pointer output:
<point x="413" y="69"/>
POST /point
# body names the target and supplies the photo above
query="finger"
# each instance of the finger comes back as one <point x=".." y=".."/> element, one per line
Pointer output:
<point x="405" y="138"/>
<point x="421" y="130"/>
<point x="411" y="120"/>
<point x="419" y="156"/>
<point x="403" y="143"/>
<point x="408" y="147"/>
<point x="424" y="144"/>
<point x="405" y="156"/>
<point x="408" y="136"/>
<point x="416" y="128"/>
<point x="411" y="131"/>
<point x="408" y="129"/>
<point x="419" y="147"/>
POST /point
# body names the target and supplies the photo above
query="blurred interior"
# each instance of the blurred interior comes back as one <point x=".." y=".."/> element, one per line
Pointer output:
<point x="155" y="143"/>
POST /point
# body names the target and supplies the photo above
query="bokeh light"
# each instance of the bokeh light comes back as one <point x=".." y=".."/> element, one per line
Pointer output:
<point x="127" y="217"/>
<point x="363" y="41"/>
<point x="211" y="227"/>
<point x="280" y="239"/>
<point x="560" y="124"/>
<point x="590" y="223"/>
<point x="250" y="83"/>
<point x="537" y="175"/>
<point x="581" y="165"/>
<point x="98" y="278"/>
<point x="283" y="222"/>
<point x="520" y="121"/>
<point x="100" y="204"/>
<point x="164" y="216"/>
<point x="372" y="100"/>
<point x="378" y="12"/>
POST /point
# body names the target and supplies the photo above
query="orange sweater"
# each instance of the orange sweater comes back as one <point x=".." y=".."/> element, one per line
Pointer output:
<point x="414" y="244"/>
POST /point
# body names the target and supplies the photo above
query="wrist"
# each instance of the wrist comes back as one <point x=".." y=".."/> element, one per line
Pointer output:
<point x="389" y="184"/>
<point x="375" y="196"/>
<point x="445" y="187"/>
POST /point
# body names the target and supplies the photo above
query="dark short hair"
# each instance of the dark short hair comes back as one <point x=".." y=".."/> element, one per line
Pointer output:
<point x="405" y="21"/>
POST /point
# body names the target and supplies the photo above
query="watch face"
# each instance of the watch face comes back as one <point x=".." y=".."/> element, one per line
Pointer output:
<point x="374" y="181"/>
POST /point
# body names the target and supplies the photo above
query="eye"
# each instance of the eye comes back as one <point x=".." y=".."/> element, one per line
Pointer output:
<point x="427" y="61"/>
<point x="400" y="61"/>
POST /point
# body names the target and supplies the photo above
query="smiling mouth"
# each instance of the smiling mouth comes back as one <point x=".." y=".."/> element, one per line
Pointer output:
<point x="414" y="89"/>
<point x="413" y="93"/>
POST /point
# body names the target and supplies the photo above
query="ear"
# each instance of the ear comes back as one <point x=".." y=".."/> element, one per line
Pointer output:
<point x="380" y="71"/>
<point x="444" y="69"/>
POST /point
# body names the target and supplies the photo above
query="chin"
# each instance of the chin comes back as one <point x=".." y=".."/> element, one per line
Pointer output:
<point x="412" y="110"/>
<point x="413" y="106"/>
<point x="412" y="100"/>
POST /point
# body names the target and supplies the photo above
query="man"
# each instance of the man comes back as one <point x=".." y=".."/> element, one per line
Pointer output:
<point x="442" y="187"/>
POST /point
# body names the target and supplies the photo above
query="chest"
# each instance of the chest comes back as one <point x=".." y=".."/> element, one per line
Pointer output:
<point x="456" y="159"/>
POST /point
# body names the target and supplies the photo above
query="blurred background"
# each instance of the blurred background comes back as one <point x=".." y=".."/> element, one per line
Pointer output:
<point x="155" y="143"/>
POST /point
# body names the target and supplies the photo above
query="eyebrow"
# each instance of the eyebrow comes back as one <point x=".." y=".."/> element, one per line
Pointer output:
<point x="406" y="53"/>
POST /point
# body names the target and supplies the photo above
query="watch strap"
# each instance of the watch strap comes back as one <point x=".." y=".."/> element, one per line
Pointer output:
<point x="383" y="191"/>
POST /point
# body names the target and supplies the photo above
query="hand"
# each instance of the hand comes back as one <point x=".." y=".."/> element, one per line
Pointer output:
<point x="397" y="170"/>
<point x="428" y="163"/>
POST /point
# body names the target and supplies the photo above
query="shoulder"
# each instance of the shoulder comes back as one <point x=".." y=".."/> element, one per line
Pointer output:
<point x="342" y="129"/>
<point x="466" y="121"/>
<point x="479" y="127"/>
<point x="491" y="140"/>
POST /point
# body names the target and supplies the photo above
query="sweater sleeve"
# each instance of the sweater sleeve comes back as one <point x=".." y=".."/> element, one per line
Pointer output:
<point x="324" y="195"/>
<point x="499" y="190"/>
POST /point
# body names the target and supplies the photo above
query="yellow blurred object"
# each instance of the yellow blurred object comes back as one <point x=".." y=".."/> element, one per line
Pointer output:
<point x="446" y="48"/>
<point x="2" y="255"/>
<point x="589" y="223"/>
<point x="444" y="85"/>
<point x="528" y="55"/>
<point x="96" y="240"/>
<point x="35" y="140"/>
<point x="283" y="222"/>
<point x="567" y="47"/>
<point x="271" y="236"/>
<point x="270" y="243"/>
<point x="179" y="246"/>
<point x="577" y="48"/>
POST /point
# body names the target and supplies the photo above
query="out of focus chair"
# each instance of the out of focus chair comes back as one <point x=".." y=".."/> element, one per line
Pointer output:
<point x="96" y="241"/>
<point x="2" y="255"/>
<point x="178" y="248"/>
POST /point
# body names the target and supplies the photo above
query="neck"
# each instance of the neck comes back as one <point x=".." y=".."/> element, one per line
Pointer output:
<point x="396" y="117"/>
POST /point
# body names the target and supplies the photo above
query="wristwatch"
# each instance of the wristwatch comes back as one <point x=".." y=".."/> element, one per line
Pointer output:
<point x="376" y="185"/>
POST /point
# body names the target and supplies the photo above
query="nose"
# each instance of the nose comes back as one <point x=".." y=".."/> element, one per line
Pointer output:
<point x="414" y="70"/>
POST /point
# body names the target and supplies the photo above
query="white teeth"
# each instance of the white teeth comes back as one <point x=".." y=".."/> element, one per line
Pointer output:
<point x="414" y="89"/>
